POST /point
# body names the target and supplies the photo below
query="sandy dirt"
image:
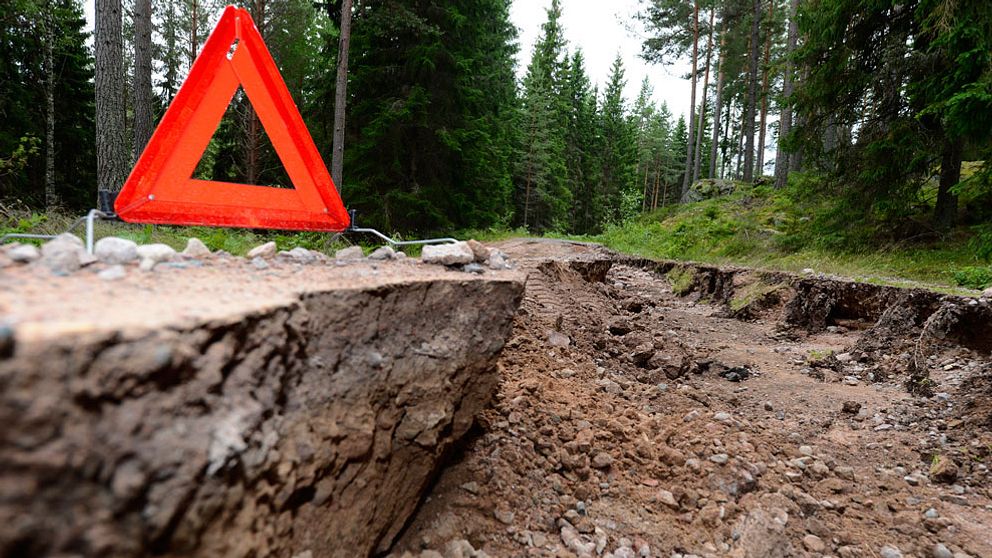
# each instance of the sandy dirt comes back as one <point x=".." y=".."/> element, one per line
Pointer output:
<point x="617" y="431"/>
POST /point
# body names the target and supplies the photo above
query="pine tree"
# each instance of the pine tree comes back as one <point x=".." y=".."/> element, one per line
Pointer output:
<point x="430" y="118"/>
<point x="582" y="149"/>
<point x="46" y="143"/>
<point x="111" y="153"/>
<point x="619" y="149"/>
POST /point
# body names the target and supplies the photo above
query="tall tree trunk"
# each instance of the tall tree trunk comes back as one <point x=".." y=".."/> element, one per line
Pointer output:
<point x="760" y="166"/>
<point x="111" y="145"/>
<point x="142" y="82"/>
<point x="785" y="122"/>
<point x="725" y="158"/>
<point x="702" y="104"/>
<point x="657" y="183"/>
<point x="171" y="52"/>
<point x="341" y="95"/>
<point x="718" y="106"/>
<point x="752" y="93"/>
<point x="51" y="194"/>
<point x="252" y="126"/>
<point x="644" y="200"/>
<point x="738" y="172"/>
<point x="692" y="100"/>
<point x="194" y="39"/>
<point x="945" y="212"/>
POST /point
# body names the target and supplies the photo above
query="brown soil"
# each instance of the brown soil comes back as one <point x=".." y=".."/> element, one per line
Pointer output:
<point x="616" y="431"/>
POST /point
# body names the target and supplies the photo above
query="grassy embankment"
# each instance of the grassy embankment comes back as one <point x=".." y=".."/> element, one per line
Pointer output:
<point x="763" y="228"/>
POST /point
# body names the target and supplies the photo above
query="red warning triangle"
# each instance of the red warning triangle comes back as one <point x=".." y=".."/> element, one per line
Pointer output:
<point x="161" y="189"/>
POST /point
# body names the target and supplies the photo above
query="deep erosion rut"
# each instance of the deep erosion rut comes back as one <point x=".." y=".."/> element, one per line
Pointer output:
<point x="661" y="409"/>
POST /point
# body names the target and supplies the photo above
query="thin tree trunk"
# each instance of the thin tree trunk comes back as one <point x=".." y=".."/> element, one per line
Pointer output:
<point x="341" y="95"/>
<point x="111" y="150"/>
<point x="785" y="122"/>
<point x="692" y="100"/>
<point x="752" y="93"/>
<point x="740" y="145"/>
<point x="718" y="106"/>
<point x="702" y="103"/>
<point x="644" y="202"/>
<point x="142" y="82"/>
<point x="760" y="166"/>
<point x="725" y="159"/>
<point x="194" y="40"/>
<point x="171" y="53"/>
<point x="51" y="194"/>
<point x="657" y="183"/>
<point x="945" y="212"/>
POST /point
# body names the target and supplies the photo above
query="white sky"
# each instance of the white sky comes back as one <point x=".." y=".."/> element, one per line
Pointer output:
<point x="600" y="29"/>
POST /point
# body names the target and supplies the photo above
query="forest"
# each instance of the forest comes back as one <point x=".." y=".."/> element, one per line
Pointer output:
<point x="880" y="109"/>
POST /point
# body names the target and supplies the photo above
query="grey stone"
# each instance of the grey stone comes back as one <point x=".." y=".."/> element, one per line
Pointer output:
<point x="889" y="551"/>
<point x="112" y="273"/>
<point x="498" y="260"/>
<point x="667" y="498"/>
<point x="814" y="543"/>
<point x="941" y="551"/>
<point x="503" y="516"/>
<point x="448" y="254"/>
<point x="267" y="250"/>
<point x="300" y="255"/>
<point x="113" y="250"/>
<point x="558" y="339"/>
<point x="720" y="458"/>
<point x="24" y="253"/>
<point x="723" y="416"/>
<point x="195" y="248"/>
<point x="63" y="254"/>
<point x="474" y="268"/>
<point x="259" y="263"/>
<point x="383" y="253"/>
<point x="351" y="253"/>
<point x="987" y="293"/>
<point x="154" y="254"/>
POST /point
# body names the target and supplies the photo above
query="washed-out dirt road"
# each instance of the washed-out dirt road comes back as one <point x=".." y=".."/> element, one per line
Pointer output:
<point x="631" y="421"/>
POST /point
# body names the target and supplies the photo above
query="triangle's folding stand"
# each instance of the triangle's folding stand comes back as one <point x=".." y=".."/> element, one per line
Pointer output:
<point x="161" y="189"/>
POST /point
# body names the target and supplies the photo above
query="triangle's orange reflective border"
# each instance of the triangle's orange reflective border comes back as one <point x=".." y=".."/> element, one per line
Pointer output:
<point x="160" y="189"/>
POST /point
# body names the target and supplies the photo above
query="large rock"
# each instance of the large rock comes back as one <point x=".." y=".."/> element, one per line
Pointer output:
<point x="267" y="250"/>
<point x="304" y="414"/>
<point x="458" y="253"/>
<point x="195" y="248"/>
<point x="351" y="253"/>
<point x="64" y="254"/>
<point x="24" y="253"/>
<point x="709" y="188"/>
<point x="154" y="254"/>
<point x="113" y="250"/>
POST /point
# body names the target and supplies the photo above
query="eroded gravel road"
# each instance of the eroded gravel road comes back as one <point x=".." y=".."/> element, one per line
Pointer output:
<point x="616" y="432"/>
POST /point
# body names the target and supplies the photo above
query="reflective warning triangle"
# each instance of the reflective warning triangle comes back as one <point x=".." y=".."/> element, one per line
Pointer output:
<point x="161" y="189"/>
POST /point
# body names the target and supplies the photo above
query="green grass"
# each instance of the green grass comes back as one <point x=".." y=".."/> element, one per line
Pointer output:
<point x="762" y="228"/>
